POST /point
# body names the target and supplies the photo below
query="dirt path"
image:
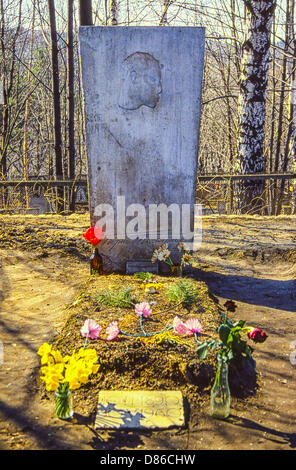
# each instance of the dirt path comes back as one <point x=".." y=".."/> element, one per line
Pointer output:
<point x="33" y="293"/>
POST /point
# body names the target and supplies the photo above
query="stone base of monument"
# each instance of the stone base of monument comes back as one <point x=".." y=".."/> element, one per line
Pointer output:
<point x="116" y="253"/>
<point x="139" y="409"/>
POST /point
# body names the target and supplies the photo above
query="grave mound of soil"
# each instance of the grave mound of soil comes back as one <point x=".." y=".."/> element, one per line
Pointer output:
<point x="161" y="362"/>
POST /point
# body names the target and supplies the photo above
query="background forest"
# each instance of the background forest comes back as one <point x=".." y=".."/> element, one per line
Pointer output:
<point x="250" y="58"/>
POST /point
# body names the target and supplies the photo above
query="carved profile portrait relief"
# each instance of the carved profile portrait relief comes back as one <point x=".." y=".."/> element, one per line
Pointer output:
<point x="141" y="81"/>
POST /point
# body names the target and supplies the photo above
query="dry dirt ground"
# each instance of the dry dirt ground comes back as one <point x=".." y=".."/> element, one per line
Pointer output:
<point x="248" y="259"/>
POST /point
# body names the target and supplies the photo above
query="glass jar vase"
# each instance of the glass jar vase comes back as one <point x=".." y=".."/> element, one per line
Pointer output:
<point x="220" y="393"/>
<point x="176" y="270"/>
<point x="64" y="404"/>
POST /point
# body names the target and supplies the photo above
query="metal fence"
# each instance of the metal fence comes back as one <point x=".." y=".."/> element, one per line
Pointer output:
<point x="42" y="195"/>
<point x="215" y="192"/>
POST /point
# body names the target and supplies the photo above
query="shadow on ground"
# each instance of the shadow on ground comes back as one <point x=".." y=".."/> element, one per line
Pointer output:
<point x="290" y="438"/>
<point x="269" y="293"/>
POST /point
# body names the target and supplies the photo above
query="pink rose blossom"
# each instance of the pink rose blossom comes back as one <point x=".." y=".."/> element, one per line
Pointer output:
<point x="92" y="328"/>
<point x="112" y="331"/>
<point x="143" y="309"/>
<point x="188" y="328"/>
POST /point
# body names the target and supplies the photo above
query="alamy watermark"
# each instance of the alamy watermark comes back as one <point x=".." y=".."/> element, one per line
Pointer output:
<point x="153" y="222"/>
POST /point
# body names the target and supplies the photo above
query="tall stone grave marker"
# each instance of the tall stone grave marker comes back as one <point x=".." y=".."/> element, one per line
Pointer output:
<point x="142" y="91"/>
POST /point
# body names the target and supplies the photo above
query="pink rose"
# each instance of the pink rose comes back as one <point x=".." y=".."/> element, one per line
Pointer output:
<point x="91" y="328"/>
<point x="112" y="331"/>
<point x="143" y="309"/>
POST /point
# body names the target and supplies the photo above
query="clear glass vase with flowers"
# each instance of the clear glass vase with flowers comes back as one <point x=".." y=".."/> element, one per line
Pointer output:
<point x="62" y="374"/>
<point x="163" y="254"/>
<point x="232" y="348"/>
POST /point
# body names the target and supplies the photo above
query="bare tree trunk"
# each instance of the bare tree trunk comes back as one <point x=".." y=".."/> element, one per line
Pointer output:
<point x="273" y="106"/>
<point x="71" y="107"/>
<point x="235" y="35"/>
<point x="291" y="140"/>
<point x="290" y="73"/>
<point x="164" y="17"/>
<point x="281" y="113"/>
<point x="8" y="70"/>
<point x="56" y="104"/>
<point x="128" y="12"/>
<point x="252" y="103"/>
<point x="85" y="12"/>
<point x="27" y="110"/>
<point x="293" y="128"/>
<point x="3" y="161"/>
<point x="271" y="184"/>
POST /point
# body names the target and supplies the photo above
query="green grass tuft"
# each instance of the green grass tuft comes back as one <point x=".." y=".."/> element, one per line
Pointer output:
<point x="120" y="298"/>
<point x="184" y="291"/>
<point x="143" y="276"/>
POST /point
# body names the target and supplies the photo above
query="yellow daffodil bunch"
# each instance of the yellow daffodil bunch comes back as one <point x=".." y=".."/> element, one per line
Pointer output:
<point x="151" y="285"/>
<point x="73" y="370"/>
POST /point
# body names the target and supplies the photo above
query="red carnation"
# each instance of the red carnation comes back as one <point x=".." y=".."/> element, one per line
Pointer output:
<point x="257" y="335"/>
<point x="93" y="235"/>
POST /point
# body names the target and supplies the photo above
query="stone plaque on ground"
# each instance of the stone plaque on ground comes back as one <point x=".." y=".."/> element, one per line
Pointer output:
<point x="142" y="92"/>
<point x="139" y="409"/>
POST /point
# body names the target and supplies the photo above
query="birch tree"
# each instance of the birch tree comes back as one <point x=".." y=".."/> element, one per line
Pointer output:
<point x="114" y="12"/>
<point x="252" y="103"/>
